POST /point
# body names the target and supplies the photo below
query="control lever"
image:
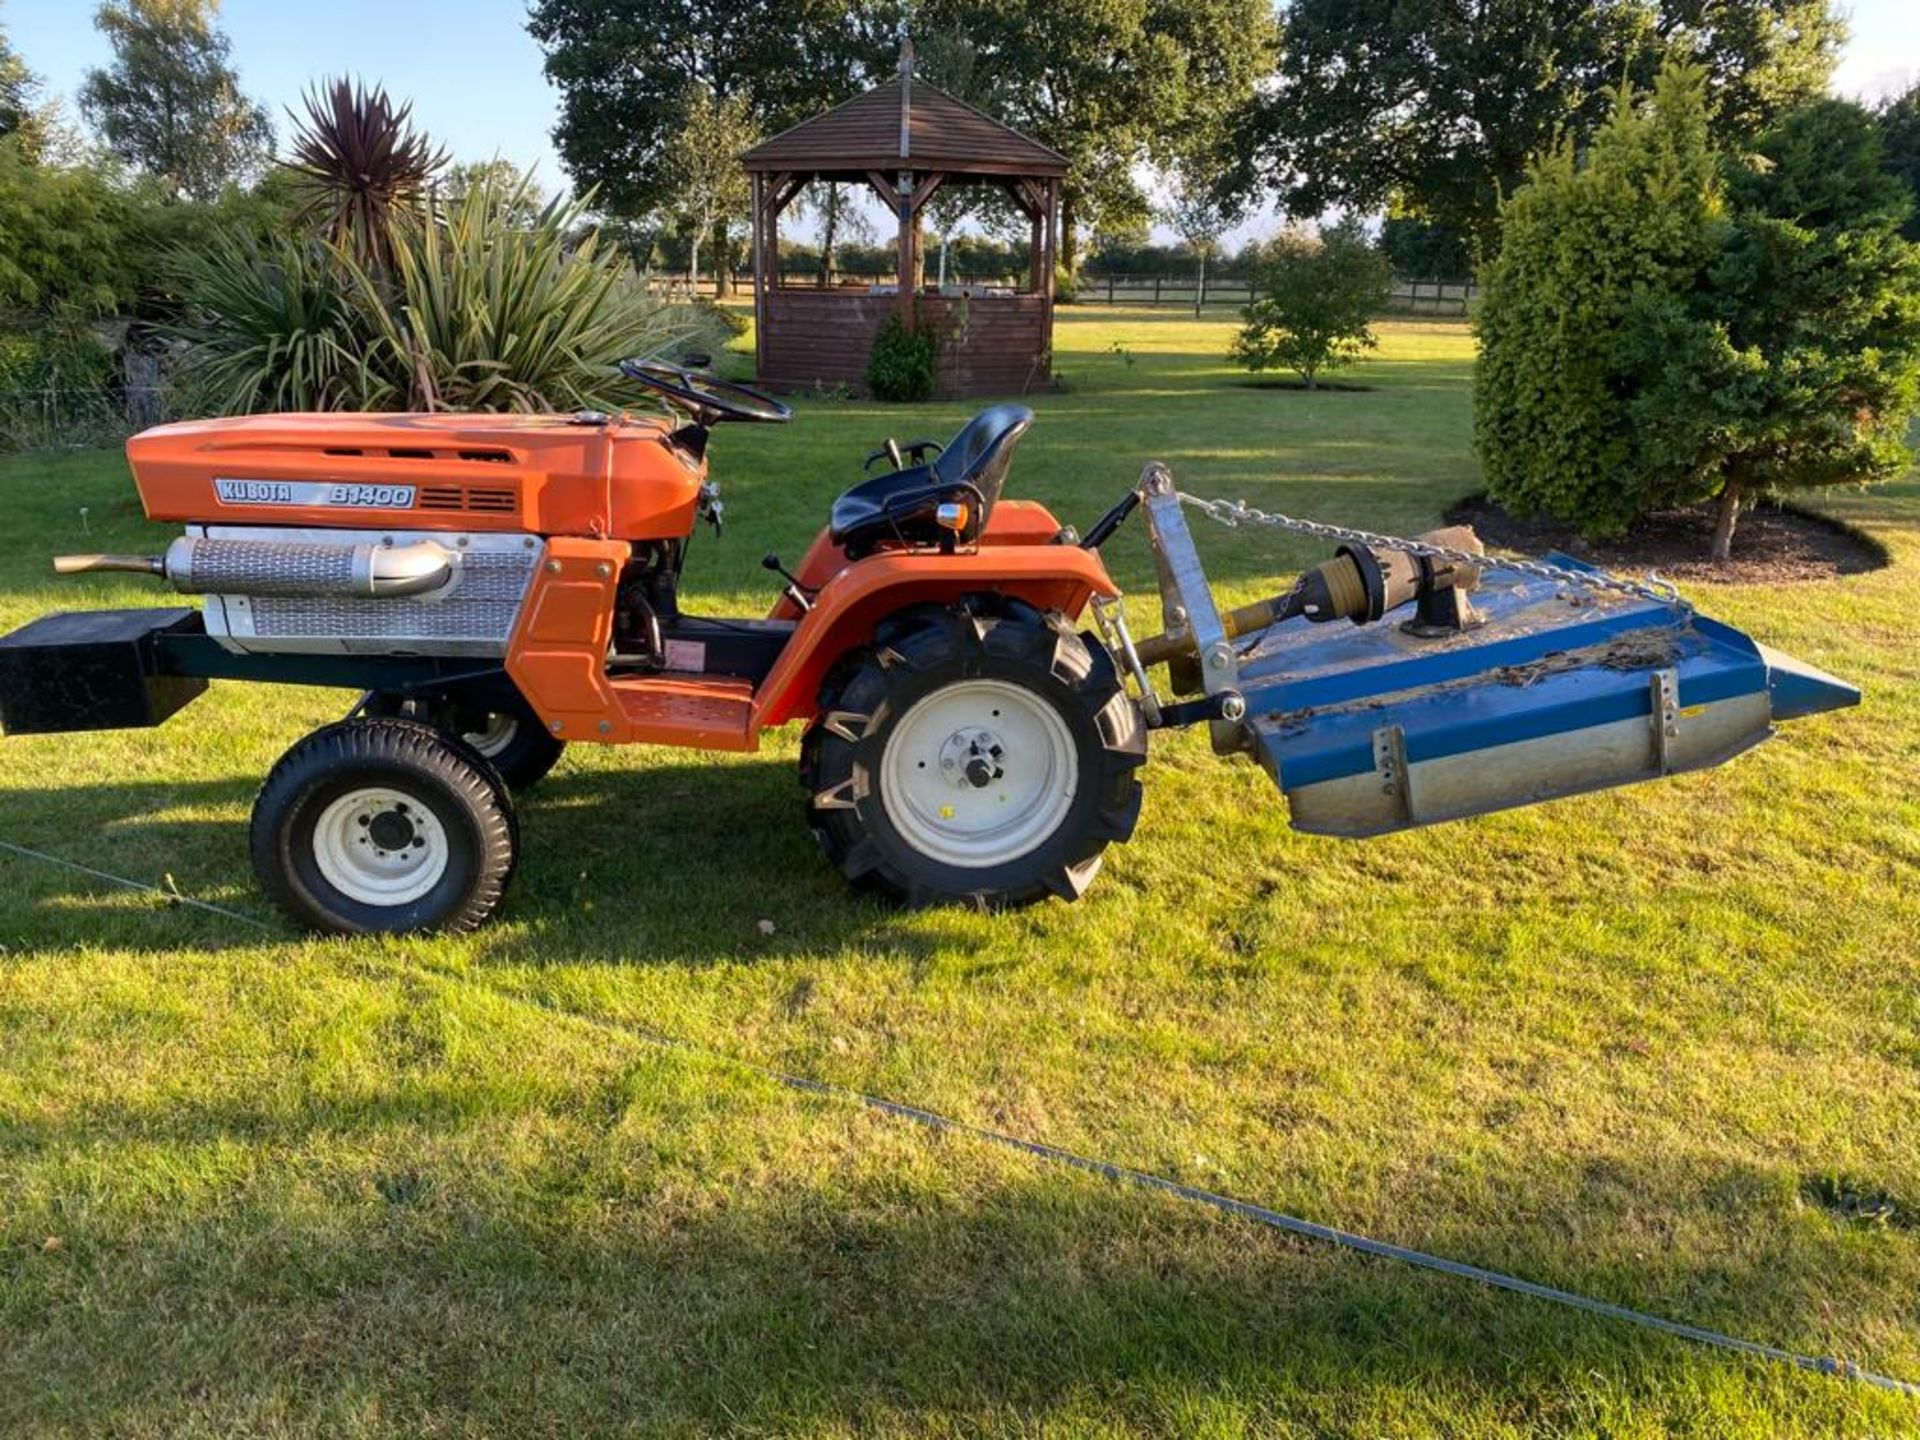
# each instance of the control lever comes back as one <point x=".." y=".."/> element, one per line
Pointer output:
<point x="889" y="452"/>
<point x="796" y="592"/>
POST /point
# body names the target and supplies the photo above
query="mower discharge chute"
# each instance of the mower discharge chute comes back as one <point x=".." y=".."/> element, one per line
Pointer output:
<point x="498" y="587"/>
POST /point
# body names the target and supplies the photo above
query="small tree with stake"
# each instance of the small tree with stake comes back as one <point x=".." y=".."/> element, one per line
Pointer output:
<point x="1199" y="213"/>
<point x="709" y="188"/>
<point x="1317" y="295"/>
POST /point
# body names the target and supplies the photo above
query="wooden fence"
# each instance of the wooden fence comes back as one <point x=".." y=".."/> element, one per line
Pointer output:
<point x="1408" y="297"/>
<point x="1413" y="297"/>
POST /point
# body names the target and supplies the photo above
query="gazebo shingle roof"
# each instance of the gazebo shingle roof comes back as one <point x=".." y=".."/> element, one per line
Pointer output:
<point x="941" y="133"/>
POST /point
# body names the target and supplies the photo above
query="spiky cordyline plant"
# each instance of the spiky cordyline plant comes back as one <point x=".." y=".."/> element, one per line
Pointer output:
<point x="491" y="314"/>
<point x="364" y="169"/>
<point x="481" y="311"/>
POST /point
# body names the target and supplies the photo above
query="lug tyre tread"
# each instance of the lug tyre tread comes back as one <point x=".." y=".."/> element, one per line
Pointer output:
<point x="918" y="647"/>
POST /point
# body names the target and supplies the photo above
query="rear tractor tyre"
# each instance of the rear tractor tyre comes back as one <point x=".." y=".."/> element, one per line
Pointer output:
<point x="384" y="826"/>
<point x="506" y="732"/>
<point x="981" y="753"/>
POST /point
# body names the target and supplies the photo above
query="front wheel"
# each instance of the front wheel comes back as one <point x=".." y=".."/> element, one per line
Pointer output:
<point x="982" y="753"/>
<point x="384" y="826"/>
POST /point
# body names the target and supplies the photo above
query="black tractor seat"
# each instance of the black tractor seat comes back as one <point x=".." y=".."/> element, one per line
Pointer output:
<point x="899" y="509"/>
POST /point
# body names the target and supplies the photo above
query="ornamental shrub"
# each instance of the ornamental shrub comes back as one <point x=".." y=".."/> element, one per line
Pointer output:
<point x="1586" y="244"/>
<point x="1664" y="326"/>
<point x="1316" y="298"/>
<point x="1797" y="362"/>
<point x="901" y="365"/>
<point x="481" y="312"/>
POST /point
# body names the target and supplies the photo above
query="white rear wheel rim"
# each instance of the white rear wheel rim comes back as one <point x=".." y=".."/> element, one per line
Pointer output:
<point x="494" y="735"/>
<point x="979" y="773"/>
<point x="380" y="846"/>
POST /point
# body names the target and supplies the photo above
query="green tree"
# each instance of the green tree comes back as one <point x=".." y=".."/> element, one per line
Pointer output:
<point x="65" y="238"/>
<point x="1586" y="241"/>
<point x="498" y="177"/>
<point x="20" y="113"/>
<point x="1317" y="296"/>
<point x="1111" y="84"/>
<point x="1796" y="362"/>
<point x="171" y="103"/>
<point x="835" y="209"/>
<point x="701" y="163"/>
<point x="1424" y="249"/>
<point x="1441" y="107"/>
<point x="1900" y="140"/>
<point x="623" y="70"/>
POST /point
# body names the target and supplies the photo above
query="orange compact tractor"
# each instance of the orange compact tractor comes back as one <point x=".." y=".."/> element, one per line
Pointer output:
<point x="500" y="586"/>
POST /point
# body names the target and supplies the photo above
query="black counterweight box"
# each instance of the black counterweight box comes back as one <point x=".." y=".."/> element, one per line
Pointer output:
<point x="93" y="670"/>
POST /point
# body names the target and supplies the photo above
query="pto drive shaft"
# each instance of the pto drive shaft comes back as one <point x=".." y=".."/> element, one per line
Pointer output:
<point x="1360" y="584"/>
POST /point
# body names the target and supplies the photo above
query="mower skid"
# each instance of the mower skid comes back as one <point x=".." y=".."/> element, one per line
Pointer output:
<point x="1552" y="690"/>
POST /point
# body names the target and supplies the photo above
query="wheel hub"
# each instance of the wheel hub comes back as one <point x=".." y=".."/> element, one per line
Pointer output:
<point x="379" y="847"/>
<point x="979" y="773"/>
<point x="972" y="758"/>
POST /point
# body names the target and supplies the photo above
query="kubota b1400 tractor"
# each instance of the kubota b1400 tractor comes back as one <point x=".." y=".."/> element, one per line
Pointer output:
<point x="499" y="586"/>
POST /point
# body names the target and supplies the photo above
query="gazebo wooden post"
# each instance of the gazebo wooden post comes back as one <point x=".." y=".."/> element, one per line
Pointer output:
<point x="909" y="236"/>
<point x="1049" y="213"/>
<point x="759" y="277"/>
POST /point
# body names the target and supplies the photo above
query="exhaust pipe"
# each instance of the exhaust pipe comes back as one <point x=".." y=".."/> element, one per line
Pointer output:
<point x="194" y="565"/>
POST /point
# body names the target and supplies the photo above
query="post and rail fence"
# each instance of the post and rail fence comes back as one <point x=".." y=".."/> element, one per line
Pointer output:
<point x="1441" y="298"/>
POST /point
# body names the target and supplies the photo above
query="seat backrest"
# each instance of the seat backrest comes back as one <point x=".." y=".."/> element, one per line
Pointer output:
<point x="982" y="453"/>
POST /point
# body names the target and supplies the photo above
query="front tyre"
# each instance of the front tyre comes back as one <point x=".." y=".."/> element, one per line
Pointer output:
<point x="980" y="753"/>
<point x="383" y="825"/>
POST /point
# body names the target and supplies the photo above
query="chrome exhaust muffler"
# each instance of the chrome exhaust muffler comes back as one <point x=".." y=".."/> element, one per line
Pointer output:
<point x="195" y="565"/>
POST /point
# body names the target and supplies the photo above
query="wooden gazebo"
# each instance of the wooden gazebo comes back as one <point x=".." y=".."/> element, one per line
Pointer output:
<point x="905" y="139"/>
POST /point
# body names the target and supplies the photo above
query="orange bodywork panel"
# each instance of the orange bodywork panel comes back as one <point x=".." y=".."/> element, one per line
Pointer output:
<point x="534" y="474"/>
<point x="844" y="613"/>
<point x="558" y="656"/>
<point x="558" y="659"/>
<point x="1012" y="522"/>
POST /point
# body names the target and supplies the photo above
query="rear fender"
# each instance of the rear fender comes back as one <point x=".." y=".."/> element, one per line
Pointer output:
<point x="1013" y="522"/>
<point x="859" y="596"/>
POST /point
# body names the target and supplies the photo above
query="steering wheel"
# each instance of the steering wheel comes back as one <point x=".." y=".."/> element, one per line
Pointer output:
<point x="708" y="399"/>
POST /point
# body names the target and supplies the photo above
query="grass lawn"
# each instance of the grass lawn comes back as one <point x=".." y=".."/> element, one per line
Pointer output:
<point x="1659" y="1045"/>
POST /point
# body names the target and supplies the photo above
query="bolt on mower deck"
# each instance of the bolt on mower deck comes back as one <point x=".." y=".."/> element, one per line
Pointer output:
<point x="976" y="707"/>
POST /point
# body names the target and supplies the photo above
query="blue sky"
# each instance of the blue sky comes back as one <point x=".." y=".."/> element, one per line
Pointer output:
<point x="474" y="74"/>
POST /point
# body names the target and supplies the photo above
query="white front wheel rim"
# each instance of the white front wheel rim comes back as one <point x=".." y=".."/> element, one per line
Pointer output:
<point x="379" y="846"/>
<point x="979" y="773"/>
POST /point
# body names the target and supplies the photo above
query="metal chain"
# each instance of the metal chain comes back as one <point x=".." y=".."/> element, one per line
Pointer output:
<point x="1235" y="513"/>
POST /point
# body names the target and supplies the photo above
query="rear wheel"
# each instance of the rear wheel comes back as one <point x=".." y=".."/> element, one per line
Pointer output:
<point x="504" y="730"/>
<point x="384" y="825"/>
<point x="981" y="753"/>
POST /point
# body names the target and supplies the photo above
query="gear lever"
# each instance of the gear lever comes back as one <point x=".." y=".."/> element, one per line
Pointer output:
<point x="796" y="592"/>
